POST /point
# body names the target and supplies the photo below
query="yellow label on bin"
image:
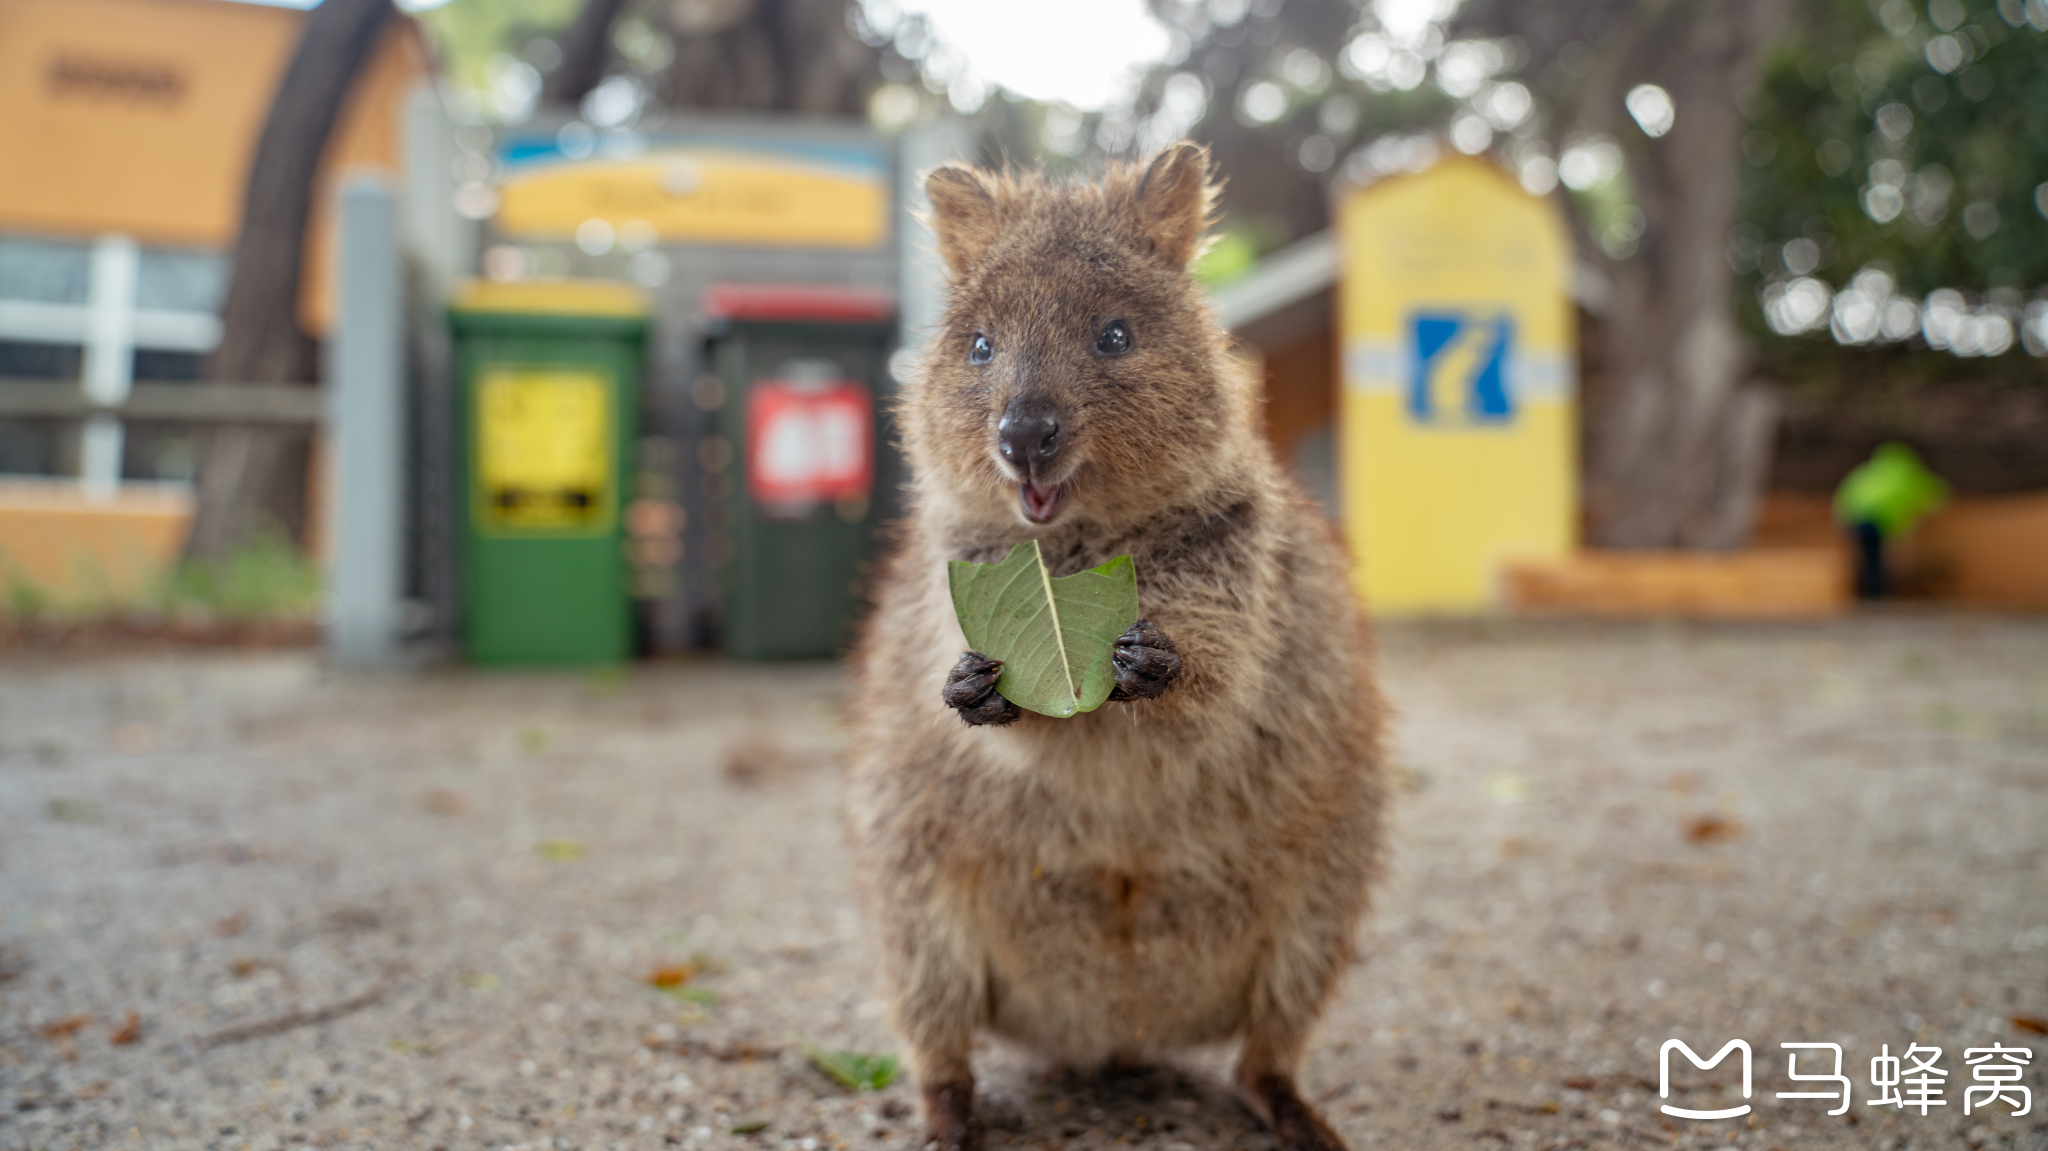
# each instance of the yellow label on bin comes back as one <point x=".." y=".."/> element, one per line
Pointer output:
<point x="544" y="450"/>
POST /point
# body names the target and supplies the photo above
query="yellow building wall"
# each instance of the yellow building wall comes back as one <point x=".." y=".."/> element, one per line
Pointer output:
<point x="1458" y="421"/>
<point x="60" y="548"/>
<point x="134" y="116"/>
<point x="139" y="117"/>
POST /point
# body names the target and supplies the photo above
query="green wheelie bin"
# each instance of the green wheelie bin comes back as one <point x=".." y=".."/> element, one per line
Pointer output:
<point x="548" y="398"/>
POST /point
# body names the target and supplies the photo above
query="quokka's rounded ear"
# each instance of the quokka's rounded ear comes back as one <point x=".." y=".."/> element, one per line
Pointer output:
<point x="963" y="216"/>
<point x="1174" y="201"/>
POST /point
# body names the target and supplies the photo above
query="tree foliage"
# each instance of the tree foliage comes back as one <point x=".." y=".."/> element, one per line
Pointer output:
<point x="1911" y="142"/>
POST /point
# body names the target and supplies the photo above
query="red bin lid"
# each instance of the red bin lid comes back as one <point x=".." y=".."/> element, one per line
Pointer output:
<point x="798" y="302"/>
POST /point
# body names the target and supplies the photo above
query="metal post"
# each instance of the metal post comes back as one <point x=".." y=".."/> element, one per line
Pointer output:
<point x="109" y="361"/>
<point x="441" y="242"/>
<point x="367" y="424"/>
<point x="921" y="298"/>
<point x="440" y="246"/>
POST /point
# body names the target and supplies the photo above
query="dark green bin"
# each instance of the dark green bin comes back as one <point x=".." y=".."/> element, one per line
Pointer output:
<point x="547" y="410"/>
<point x="791" y="571"/>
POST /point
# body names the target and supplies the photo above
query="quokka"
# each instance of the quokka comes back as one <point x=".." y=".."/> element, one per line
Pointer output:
<point x="1189" y="863"/>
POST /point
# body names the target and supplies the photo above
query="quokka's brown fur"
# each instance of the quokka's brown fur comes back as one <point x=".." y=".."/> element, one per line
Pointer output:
<point x="1160" y="873"/>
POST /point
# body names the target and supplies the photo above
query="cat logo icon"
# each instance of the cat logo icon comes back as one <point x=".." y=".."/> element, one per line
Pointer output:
<point x="1664" y="1078"/>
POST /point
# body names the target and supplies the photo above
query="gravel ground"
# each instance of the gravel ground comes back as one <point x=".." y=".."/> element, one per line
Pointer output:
<point x="251" y="903"/>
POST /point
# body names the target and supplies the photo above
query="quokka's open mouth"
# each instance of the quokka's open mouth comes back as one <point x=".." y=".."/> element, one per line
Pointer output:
<point x="1041" y="501"/>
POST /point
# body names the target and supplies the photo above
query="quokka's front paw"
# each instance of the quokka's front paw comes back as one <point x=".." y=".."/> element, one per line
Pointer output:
<point x="971" y="691"/>
<point x="1146" y="662"/>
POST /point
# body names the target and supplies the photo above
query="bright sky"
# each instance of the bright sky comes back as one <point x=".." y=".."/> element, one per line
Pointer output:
<point x="1085" y="52"/>
<point x="404" y="5"/>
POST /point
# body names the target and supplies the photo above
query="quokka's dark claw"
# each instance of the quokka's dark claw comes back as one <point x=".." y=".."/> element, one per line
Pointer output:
<point x="971" y="690"/>
<point x="1146" y="663"/>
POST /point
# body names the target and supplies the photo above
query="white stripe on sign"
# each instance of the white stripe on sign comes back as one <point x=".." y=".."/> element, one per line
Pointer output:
<point x="1379" y="367"/>
<point x="1375" y="366"/>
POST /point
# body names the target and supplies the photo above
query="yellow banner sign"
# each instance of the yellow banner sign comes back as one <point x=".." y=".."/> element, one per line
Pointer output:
<point x="715" y="195"/>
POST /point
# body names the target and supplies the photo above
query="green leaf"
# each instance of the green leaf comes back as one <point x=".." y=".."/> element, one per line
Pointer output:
<point x="1053" y="636"/>
<point x="703" y="996"/>
<point x="854" y="1070"/>
<point x="749" y="1127"/>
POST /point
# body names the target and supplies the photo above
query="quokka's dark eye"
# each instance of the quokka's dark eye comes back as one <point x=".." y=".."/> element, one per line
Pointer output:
<point x="1114" y="339"/>
<point x="980" y="351"/>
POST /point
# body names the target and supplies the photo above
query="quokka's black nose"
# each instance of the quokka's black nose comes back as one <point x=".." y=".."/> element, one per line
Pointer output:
<point x="1029" y="435"/>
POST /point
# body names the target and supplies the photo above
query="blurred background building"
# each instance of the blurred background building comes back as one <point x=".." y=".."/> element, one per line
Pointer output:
<point x="1782" y="235"/>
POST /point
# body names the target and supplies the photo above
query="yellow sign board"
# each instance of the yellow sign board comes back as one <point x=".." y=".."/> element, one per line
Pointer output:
<point x="693" y="194"/>
<point x="544" y="450"/>
<point x="1459" y="421"/>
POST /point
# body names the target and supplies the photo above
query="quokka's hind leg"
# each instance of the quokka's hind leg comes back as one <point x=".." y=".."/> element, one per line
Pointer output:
<point x="1294" y="981"/>
<point x="949" y="1115"/>
<point x="935" y="1016"/>
<point x="1296" y="1126"/>
<point x="937" y="998"/>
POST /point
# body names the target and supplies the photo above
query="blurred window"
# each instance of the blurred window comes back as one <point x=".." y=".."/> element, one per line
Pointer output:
<point x="46" y="271"/>
<point x="32" y="447"/>
<point x="181" y="280"/>
<point x="158" y="366"/>
<point x="30" y="360"/>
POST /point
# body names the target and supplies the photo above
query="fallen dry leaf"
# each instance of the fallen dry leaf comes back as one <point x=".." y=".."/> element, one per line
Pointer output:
<point x="244" y="967"/>
<point x="129" y="1031"/>
<point x="671" y="975"/>
<point x="65" y="1025"/>
<point x="1508" y="788"/>
<point x="2029" y="1023"/>
<point x="72" y="810"/>
<point x="1712" y="829"/>
<point x="133" y="738"/>
<point x="754" y="760"/>
<point x="442" y="801"/>
<point x="1581" y="1083"/>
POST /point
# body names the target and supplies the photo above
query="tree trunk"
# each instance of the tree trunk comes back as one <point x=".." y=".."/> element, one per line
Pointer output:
<point x="586" y="49"/>
<point x="735" y="55"/>
<point x="252" y="480"/>
<point x="1669" y="465"/>
<point x="772" y="56"/>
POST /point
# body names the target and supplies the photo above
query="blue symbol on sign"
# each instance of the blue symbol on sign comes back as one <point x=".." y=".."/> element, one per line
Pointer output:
<point x="1458" y="374"/>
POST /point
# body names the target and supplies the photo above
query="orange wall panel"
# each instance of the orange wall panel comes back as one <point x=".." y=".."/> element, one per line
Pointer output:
<point x="134" y="116"/>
